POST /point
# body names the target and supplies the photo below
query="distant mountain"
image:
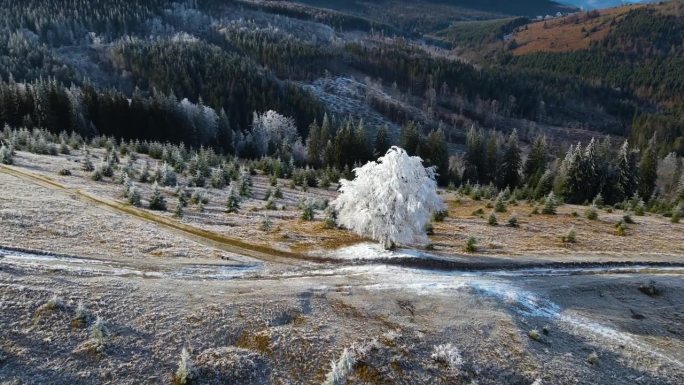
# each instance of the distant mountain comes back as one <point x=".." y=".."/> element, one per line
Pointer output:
<point x="504" y="7"/>
<point x="599" y="4"/>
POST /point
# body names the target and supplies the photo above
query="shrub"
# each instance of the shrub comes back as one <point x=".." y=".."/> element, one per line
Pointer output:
<point x="6" y="154"/>
<point x="278" y="193"/>
<point x="186" y="372"/>
<point x="270" y="204"/>
<point x="492" y="221"/>
<point x="81" y="317"/>
<point x="430" y="246"/>
<point x="591" y="213"/>
<point x="266" y="224"/>
<point x="570" y="237"/>
<point x="535" y="211"/>
<point x="97" y="176"/>
<point x="471" y="245"/>
<point x="628" y="219"/>
<point x="64" y="172"/>
<point x="157" y="201"/>
<point x="341" y="368"/>
<point x="500" y="204"/>
<point x="650" y="289"/>
<point x="513" y="221"/>
<point x="87" y="164"/>
<point x="307" y="212"/>
<point x="675" y="217"/>
<point x="99" y="333"/>
<point x="593" y="359"/>
<point x="478" y="212"/>
<point x="233" y="203"/>
<point x="429" y="229"/>
<point x="550" y="204"/>
<point x="598" y="201"/>
<point x="330" y="221"/>
<point x="178" y="211"/>
<point x="440" y="215"/>
<point x="449" y="355"/>
<point x="534" y="335"/>
<point x="134" y="196"/>
<point x="145" y="173"/>
<point x="106" y="169"/>
<point x="621" y="229"/>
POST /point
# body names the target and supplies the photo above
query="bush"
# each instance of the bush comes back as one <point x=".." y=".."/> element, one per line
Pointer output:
<point x="592" y="213"/>
<point x="621" y="229"/>
<point x="675" y="217"/>
<point x="478" y="212"/>
<point x="97" y="176"/>
<point x="593" y="358"/>
<point x="513" y="221"/>
<point x="6" y="154"/>
<point x="330" y="221"/>
<point x="500" y="204"/>
<point x="186" y="372"/>
<point x="157" y="201"/>
<point x="439" y="216"/>
<point x="178" y="211"/>
<point x="429" y="229"/>
<point x="628" y="219"/>
<point x="266" y="224"/>
<point x="307" y="212"/>
<point x="550" y="204"/>
<point x="233" y="203"/>
<point x="270" y="204"/>
<point x="570" y="237"/>
<point x="492" y="221"/>
<point x="471" y="245"/>
<point x="134" y="197"/>
<point x="64" y="172"/>
<point x="534" y="335"/>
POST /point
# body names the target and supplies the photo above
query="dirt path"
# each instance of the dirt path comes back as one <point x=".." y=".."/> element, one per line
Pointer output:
<point x="207" y="238"/>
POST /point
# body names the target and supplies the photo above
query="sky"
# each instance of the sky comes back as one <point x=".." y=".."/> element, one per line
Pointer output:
<point x="591" y="4"/>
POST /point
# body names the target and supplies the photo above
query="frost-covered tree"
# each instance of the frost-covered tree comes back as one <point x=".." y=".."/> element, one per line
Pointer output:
<point x="271" y="130"/>
<point x="390" y="200"/>
<point x="233" y="203"/>
<point x="165" y="175"/>
<point x="157" y="200"/>
<point x="6" y="155"/>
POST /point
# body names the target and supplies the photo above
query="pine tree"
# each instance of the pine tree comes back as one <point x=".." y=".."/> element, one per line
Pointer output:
<point x="410" y="137"/>
<point x="550" y="204"/>
<point x="233" y="203"/>
<point x="511" y="161"/>
<point x="134" y="197"/>
<point x="87" y="165"/>
<point x="438" y="155"/>
<point x="6" y="155"/>
<point x="382" y="143"/>
<point x="314" y="145"/>
<point x="648" y="170"/>
<point x="178" y="211"/>
<point x="680" y="188"/>
<point x="157" y="200"/>
<point x="536" y="163"/>
<point x="627" y="184"/>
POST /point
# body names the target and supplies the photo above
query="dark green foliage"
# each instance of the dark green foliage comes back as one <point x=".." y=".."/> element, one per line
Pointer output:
<point x="157" y="200"/>
<point x="471" y="245"/>
<point x="233" y="203"/>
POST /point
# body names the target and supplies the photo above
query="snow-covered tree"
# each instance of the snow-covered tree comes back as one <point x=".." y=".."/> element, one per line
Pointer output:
<point x="271" y="130"/>
<point x="390" y="200"/>
<point x="6" y="154"/>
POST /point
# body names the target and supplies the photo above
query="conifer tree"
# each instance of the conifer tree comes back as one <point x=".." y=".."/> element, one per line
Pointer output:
<point x="233" y="203"/>
<point x="382" y="143"/>
<point x="157" y="200"/>
<point x="535" y="165"/>
<point x="511" y="161"/>
<point x="627" y="179"/>
<point x="648" y="170"/>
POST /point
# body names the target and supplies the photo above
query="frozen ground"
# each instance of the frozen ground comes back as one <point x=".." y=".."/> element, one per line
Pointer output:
<point x="509" y="314"/>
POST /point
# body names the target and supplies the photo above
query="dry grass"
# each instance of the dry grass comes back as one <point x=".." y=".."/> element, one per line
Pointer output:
<point x="651" y="235"/>
<point x="570" y="33"/>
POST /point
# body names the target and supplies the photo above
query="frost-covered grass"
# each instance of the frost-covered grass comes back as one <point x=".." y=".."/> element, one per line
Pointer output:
<point x="449" y="355"/>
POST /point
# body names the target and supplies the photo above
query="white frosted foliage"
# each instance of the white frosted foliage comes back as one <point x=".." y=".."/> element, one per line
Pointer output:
<point x="390" y="200"/>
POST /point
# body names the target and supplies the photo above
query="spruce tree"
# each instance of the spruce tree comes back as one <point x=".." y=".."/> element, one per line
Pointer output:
<point x="410" y="137"/>
<point x="157" y="200"/>
<point x="6" y="155"/>
<point x="627" y="178"/>
<point x="382" y="143"/>
<point x="314" y="145"/>
<point x="550" y="204"/>
<point x="178" y="211"/>
<point x="535" y="166"/>
<point x="511" y="161"/>
<point x="87" y="165"/>
<point x="133" y="196"/>
<point x="233" y="203"/>
<point x="648" y="170"/>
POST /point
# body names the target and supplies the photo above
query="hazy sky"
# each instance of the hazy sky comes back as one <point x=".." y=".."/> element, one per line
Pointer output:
<point x="590" y="4"/>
